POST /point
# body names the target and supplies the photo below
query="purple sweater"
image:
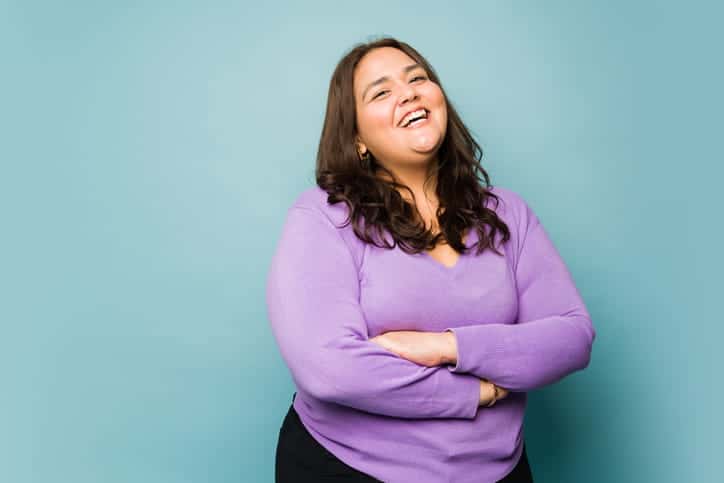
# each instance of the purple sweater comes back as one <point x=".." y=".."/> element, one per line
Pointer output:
<point x="519" y="322"/>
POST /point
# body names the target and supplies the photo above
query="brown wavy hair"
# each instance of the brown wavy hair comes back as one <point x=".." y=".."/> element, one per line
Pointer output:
<point x="374" y="203"/>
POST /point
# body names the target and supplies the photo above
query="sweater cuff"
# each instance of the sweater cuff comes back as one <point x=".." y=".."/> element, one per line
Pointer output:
<point x="467" y="399"/>
<point x="458" y="367"/>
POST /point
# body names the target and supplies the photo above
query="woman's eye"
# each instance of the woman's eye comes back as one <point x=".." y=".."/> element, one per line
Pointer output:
<point x="413" y="79"/>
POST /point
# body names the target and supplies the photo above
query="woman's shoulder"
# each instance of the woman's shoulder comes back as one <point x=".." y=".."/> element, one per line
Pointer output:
<point x="334" y="216"/>
<point x="511" y="204"/>
<point x="315" y="198"/>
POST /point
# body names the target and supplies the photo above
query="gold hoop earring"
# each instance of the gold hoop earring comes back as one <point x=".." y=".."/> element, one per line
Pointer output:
<point x="366" y="158"/>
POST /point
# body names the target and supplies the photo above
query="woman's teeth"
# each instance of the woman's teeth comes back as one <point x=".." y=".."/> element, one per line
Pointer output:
<point x="416" y="117"/>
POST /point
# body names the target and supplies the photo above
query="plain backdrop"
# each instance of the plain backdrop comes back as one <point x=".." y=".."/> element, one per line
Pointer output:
<point x="149" y="152"/>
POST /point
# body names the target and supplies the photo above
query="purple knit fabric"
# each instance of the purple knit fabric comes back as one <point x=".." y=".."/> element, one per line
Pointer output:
<point x="518" y="319"/>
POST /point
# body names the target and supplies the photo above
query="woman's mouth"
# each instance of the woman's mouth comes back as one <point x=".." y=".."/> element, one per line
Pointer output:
<point x="417" y="123"/>
<point x="416" y="119"/>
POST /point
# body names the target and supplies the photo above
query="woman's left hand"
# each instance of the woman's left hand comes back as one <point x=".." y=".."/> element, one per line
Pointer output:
<point x="424" y="348"/>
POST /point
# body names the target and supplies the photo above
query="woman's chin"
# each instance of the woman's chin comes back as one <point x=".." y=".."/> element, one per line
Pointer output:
<point x="425" y="143"/>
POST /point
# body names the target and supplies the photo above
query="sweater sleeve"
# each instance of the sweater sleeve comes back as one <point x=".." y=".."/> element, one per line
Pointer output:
<point x="553" y="336"/>
<point x="312" y="297"/>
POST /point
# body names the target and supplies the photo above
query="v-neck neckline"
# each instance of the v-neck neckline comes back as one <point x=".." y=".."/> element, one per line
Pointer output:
<point x="461" y="256"/>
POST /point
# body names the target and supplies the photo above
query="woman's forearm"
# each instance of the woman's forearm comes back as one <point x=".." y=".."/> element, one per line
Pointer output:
<point x="448" y="348"/>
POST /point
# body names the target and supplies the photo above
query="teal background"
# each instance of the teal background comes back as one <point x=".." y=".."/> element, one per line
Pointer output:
<point x="149" y="153"/>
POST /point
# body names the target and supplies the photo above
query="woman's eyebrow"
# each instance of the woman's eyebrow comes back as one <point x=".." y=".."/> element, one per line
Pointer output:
<point x="405" y="70"/>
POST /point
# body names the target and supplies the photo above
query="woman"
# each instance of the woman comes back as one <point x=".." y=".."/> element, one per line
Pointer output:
<point x="414" y="307"/>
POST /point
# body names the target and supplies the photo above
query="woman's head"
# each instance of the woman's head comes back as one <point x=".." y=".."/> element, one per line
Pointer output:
<point x="361" y="124"/>
<point x="363" y="148"/>
<point x="388" y="85"/>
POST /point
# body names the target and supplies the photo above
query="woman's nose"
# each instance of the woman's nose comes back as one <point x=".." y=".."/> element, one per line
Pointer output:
<point x="408" y="93"/>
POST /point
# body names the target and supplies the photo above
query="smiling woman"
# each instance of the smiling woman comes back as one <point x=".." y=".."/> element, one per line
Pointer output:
<point x="414" y="306"/>
<point x="425" y="173"/>
<point x="383" y="122"/>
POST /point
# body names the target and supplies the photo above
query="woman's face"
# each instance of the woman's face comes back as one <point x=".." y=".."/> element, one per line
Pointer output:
<point x="387" y="86"/>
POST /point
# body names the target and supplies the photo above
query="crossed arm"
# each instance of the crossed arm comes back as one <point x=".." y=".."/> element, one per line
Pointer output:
<point x="411" y="374"/>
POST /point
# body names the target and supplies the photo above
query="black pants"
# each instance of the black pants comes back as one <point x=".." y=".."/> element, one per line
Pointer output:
<point x="301" y="459"/>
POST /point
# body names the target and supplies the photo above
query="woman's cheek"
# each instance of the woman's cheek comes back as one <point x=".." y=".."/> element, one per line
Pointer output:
<point x="382" y="117"/>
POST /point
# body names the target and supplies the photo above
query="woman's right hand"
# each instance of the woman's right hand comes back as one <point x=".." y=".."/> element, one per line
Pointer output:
<point x="487" y="392"/>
